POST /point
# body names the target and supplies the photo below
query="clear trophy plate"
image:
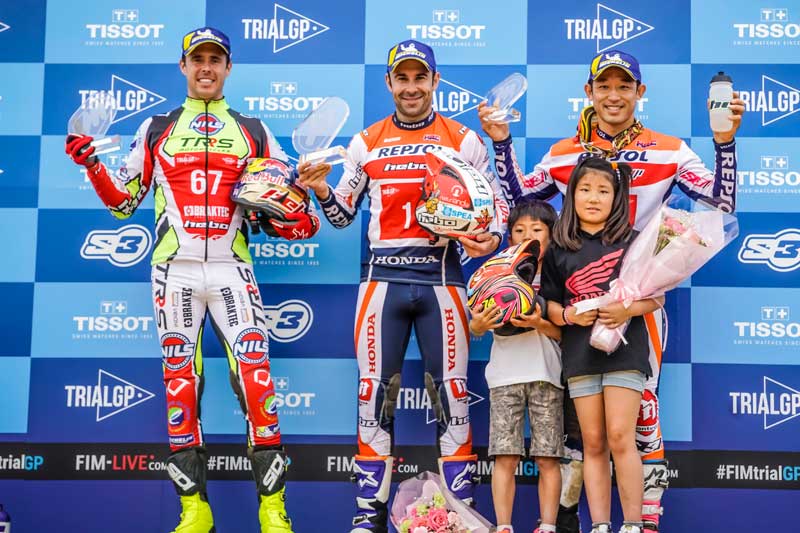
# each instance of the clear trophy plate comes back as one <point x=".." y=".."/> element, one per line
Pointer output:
<point x="504" y="95"/>
<point x="93" y="118"/>
<point x="312" y="138"/>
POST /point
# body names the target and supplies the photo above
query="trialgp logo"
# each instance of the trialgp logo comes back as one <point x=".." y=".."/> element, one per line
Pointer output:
<point x="283" y="101"/>
<point x="774" y="327"/>
<point x="452" y="100"/>
<point x="447" y="28"/>
<point x="608" y="29"/>
<point x="776" y="403"/>
<point x="772" y="29"/>
<point x="775" y="101"/>
<point x="285" y="29"/>
<point x="112" y="321"/>
<point x="123" y="247"/>
<point x="111" y="396"/>
<point x="779" y="251"/>
<point x="126" y="97"/>
<point x="414" y="398"/>
<point x="125" y="29"/>
<point x="774" y="175"/>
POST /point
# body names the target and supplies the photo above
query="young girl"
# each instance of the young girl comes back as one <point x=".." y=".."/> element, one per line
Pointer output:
<point x="589" y="241"/>
<point x="525" y="370"/>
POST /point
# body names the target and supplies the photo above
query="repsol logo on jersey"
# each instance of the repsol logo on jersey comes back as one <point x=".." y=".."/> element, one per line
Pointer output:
<point x="631" y="156"/>
<point x="405" y="150"/>
<point x="125" y="25"/>
<point x="447" y="25"/>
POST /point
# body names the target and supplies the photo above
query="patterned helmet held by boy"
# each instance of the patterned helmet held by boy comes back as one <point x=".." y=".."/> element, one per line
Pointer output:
<point x="456" y="200"/>
<point x="505" y="281"/>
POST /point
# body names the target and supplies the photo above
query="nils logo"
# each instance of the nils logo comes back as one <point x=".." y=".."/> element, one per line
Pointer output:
<point x="206" y="124"/>
<point x="285" y="29"/>
<point x="608" y="29"/>
<point x="111" y="396"/>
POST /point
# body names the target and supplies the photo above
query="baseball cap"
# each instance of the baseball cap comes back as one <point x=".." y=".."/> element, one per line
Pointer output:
<point x="614" y="58"/>
<point x="195" y="38"/>
<point x="411" y="49"/>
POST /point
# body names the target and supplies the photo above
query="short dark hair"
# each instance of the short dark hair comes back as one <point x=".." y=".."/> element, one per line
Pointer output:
<point x="537" y="210"/>
<point x="618" y="225"/>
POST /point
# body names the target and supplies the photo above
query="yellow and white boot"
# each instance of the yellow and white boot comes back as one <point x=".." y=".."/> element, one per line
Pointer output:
<point x="187" y="469"/>
<point x="269" y="470"/>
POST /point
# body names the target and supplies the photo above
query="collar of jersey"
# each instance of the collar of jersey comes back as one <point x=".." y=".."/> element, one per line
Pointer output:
<point x="424" y="123"/>
<point x="194" y="104"/>
<point x="591" y="236"/>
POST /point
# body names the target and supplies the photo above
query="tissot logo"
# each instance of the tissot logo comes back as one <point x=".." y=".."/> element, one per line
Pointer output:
<point x="452" y="100"/>
<point x="126" y="97"/>
<point x="285" y="29"/>
<point x="774" y="327"/>
<point x="125" y="28"/>
<point x="608" y="29"/>
<point x="776" y="403"/>
<point x="447" y="29"/>
<point x="775" y="173"/>
<point x="776" y="100"/>
<point x="283" y="97"/>
<point x="111" y="396"/>
<point x="773" y="25"/>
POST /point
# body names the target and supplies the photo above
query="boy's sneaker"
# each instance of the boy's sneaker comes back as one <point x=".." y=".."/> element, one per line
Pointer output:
<point x="628" y="527"/>
<point x="602" y="527"/>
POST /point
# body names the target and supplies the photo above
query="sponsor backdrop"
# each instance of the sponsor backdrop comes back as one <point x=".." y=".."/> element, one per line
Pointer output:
<point x="82" y="401"/>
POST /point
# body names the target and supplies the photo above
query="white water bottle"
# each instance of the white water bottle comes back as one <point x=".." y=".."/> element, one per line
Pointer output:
<point x="720" y="94"/>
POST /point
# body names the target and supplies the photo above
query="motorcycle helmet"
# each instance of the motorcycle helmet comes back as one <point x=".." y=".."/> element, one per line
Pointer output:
<point x="269" y="186"/>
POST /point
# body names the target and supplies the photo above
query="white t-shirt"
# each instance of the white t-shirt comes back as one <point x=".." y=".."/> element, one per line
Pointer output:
<point x="523" y="358"/>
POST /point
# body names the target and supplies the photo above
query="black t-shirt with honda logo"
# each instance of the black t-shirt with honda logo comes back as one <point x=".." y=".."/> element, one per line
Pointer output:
<point x="569" y="277"/>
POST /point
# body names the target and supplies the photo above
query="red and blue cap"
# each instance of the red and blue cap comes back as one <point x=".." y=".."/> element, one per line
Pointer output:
<point x="411" y="49"/>
<point x="195" y="38"/>
<point x="616" y="59"/>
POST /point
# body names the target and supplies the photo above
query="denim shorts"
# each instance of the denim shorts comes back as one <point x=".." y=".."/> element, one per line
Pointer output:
<point x="594" y="383"/>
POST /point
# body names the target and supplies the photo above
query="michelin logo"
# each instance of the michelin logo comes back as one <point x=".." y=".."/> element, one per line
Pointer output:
<point x="286" y="28"/>
<point x="777" y="403"/>
<point x="776" y="100"/>
<point x="608" y="29"/>
<point x="111" y="396"/>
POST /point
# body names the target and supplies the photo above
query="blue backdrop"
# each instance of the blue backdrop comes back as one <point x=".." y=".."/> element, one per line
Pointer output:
<point x="82" y="430"/>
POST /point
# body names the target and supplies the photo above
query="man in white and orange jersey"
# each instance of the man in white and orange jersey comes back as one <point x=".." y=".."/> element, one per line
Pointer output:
<point x="408" y="278"/>
<point x="660" y="162"/>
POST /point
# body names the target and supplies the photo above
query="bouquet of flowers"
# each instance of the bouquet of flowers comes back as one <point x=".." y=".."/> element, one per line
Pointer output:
<point x="423" y="504"/>
<point x="682" y="237"/>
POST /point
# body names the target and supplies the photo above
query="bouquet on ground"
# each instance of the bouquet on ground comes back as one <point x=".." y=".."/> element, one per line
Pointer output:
<point x="423" y="504"/>
<point x="681" y="237"/>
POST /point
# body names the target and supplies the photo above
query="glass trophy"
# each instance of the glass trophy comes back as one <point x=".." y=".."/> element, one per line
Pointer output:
<point x="504" y="95"/>
<point x="93" y="118"/>
<point x="312" y="138"/>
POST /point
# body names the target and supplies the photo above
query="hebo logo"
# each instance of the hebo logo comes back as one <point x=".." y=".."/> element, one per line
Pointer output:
<point x="125" y="96"/>
<point x="289" y="320"/>
<point x="284" y="101"/>
<point x="125" y="29"/>
<point x="774" y="327"/>
<point x="776" y="100"/>
<point x="123" y="248"/>
<point x="776" y="403"/>
<point x="448" y="29"/>
<point x="576" y="105"/>
<point x="775" y="175"/>
<point x="285" y="29"/>
<point x="608" y="29"/>
<point x="111" y="396"/>
<point x="112" y="321"/>
<point x="780" y="252"/>
<point x="452" y="100"/>
<point x="772" y="29"/>
<point x="415" y="398"/>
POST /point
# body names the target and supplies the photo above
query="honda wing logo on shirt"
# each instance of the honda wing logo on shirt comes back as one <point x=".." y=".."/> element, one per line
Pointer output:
<point x="608" y="29"/>
<point x="286" y="28"/>
<point x="111" y="396"/>
<point x="586" y="281"/>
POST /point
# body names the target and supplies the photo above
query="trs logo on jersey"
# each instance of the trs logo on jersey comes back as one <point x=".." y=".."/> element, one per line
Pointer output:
<point x="447" y="29"/>
<point x="125" y="97"/>
<point x="126" y="30"/>
<point x="111" y="396"/>
<point x="780" y="252"/>
<point x="289" y="320"/>
<point x="608" y="29"/>
<point x="286" y="28"/>
<point x="123" y="248"/>
<point x="773" y="25"/>
<point x="452" y="100"/>
<point x="776" y="100"/>
<point x="777" y="403"/>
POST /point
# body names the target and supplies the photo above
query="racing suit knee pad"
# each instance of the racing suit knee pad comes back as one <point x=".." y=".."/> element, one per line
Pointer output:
<point x="187" y="470"/>
<point x="450" y="403"/>
<point x="377" y="403"/>
<point x="269" y="469"/>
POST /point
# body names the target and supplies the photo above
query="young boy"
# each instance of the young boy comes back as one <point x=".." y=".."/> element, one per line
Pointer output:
<point x="525" y="370"/>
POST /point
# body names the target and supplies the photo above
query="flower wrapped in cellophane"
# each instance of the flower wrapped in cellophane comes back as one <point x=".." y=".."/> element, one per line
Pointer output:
<point x="423" y="504"/>
<point x="681" y="238"/>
